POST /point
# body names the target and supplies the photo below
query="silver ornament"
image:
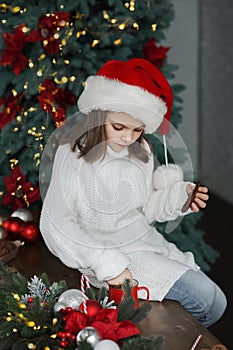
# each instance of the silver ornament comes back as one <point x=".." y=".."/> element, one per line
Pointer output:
<point x="71" y="298"/>
<point x="3" y="233"/>
<point x="106" y="344"/>
<point x="22" y="213"/>
<point x="88" y="334"/>
<point x="58" y="306"/>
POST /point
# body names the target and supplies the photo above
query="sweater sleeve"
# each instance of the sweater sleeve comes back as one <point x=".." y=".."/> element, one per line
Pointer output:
<point x="61" y="230"/>
<point x="167" y="195"/>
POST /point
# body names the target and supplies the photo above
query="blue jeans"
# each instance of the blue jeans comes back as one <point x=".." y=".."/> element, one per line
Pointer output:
<point x="200" y="296"/>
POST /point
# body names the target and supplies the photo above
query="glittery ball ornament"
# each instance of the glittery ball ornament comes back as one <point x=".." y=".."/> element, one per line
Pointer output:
<point x="106" y="345"/>
<point x="90" y="335"/>
<point x="22" y="213"/>
<point x="71" y="298"/>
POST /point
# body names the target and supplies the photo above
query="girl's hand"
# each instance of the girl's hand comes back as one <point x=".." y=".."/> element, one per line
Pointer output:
<point x="197" y="196"/>
<point x="126" y="274"/>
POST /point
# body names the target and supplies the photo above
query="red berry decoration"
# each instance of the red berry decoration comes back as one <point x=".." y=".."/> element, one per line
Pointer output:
<point x="92" y="307"/>
<point x="30" y="232"/>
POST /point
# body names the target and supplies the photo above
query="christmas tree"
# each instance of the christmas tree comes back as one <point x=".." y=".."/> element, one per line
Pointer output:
<point x="48" y="49"/>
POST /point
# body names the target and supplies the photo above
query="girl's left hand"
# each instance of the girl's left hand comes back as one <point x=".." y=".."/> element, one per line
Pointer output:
<point x="199" y="197"/>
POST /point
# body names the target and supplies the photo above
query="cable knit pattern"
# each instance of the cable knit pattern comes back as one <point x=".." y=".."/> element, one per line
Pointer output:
<point x="96" y="218"/>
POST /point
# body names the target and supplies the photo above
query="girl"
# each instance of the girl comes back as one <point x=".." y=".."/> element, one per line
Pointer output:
<point x="104" y="194"/>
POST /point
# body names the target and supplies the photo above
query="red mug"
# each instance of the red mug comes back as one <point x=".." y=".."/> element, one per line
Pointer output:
<point x="116" y="293"/>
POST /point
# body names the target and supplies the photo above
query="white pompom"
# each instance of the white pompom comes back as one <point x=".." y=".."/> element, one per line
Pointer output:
<point x="165" y="176"/>
<point x="106" y="345"/>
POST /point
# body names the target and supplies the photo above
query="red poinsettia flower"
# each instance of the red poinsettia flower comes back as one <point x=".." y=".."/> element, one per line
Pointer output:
<point x="104" y="321"/>
<point x="20" y="192"/>
<point x="155" y="54"/>
<point x="49" y="25"/>
<point x="55" y="100"/>
<point x="9" y="107"/>
<point x="13" y="55"/>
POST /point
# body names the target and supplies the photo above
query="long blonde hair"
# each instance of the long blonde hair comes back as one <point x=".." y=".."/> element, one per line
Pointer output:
<point x="91" y="141"/>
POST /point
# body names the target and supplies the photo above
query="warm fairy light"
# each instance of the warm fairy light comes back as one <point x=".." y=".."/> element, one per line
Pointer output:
<point x="8" y="319"/>
<point x="39" y="73"/>
<point x="135" y="25"/>
<point x="23" y="10"/>
<point x="42" y="56"/>
<point x="30" y="323"/>
<point x="113" y="20"/>
<point x="19" y="118"/>
<point x="25" y="85"/>
<point x="122" y="26"/>
<point x="117" y="41"/>
<point x="72" y="78"/>
<point x="127" y="5"/>
<point x="64" y="80"/>
<point x="95" y="42"/>
<point x="30" y="64"/>
<point x="15" y="330"/>
<point x="54" y="61"/>
<point x="21" y="305"/>
<point x="4" y="7"/>
<point x="25" y="29"/>
<point x="15" y="9"/>
<point x="84" y="32"/>
<point x="16" y="296"/>
<point x="154" y="27"/>
<point x="54" y="321"/>
<point x="54" y="336"/>
<point x="105" y="14"/>
<point x="14" y="92"/>
<point x="32" y="109"/>
<point x="64" y="42"/>
<point x="15" y="129"/>
<point x="4" y="21"/>
<point x="31" y="346"/>
<point x="62" y="7"/>
<point x="45" y="42"/>
<point x="13" y="163"/>
<point x="56" y="36"/>
<point x="66" y="61"/>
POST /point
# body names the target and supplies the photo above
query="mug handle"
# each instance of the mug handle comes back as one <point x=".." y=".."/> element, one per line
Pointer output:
<point x="147" y="292"/>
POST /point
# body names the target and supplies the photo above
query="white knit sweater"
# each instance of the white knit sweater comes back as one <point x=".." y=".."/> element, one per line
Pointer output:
<point x="96" y="217"/>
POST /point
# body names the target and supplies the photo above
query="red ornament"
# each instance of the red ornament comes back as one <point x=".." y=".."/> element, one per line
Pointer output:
<point x="30" y="300"/>
<point x="92" y="307"/>
<point x="30" y="232"/>
<point x="13" y="227"/>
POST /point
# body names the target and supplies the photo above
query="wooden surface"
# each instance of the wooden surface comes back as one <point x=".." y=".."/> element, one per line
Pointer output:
<point x="168" y="319"/>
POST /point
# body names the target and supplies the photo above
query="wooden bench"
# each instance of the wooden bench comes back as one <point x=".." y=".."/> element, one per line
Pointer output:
<point x="168" y="318"/>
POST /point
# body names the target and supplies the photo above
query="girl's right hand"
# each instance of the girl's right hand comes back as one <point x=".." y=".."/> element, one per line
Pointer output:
<point x="126" y="274"/>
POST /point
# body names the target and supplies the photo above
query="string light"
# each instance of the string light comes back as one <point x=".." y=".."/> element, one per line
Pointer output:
<point x="122" y="26"/>
<point x="117" y="41"/>
<point x="95" y="42"/>
<point x="154" y="27"/>
<point x="14" y="92"/>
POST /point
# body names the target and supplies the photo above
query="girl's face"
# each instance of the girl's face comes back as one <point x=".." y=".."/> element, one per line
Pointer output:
<point x="122" y="130"/>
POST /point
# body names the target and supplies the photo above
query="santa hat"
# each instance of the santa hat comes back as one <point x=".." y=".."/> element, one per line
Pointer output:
<point x="135" y="87"/>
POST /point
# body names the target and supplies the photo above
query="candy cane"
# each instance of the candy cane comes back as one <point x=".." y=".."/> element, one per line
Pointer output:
<point x="84" y="279"/>
<point x="196" y="342"/>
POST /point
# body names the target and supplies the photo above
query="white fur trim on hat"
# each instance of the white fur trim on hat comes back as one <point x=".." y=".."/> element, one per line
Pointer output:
<point x="113" y="95"/>
<point x="166" y="175"/>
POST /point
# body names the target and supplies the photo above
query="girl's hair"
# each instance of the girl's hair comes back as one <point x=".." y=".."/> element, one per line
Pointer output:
<point x="91" y="141"/>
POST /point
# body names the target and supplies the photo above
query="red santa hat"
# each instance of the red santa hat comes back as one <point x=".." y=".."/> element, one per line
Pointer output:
<point x="135" y="87"/>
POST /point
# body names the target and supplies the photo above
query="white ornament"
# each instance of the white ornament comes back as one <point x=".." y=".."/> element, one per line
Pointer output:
<point x="71" y="298"/>
<point x="106" y="345"/>
<point x="58" y="306"/>
<point x="88" y="334"/>
<point x="22" y="213"/>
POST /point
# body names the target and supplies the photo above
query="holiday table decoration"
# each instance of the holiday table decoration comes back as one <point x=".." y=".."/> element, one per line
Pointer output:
<point x="29" y="318"/>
